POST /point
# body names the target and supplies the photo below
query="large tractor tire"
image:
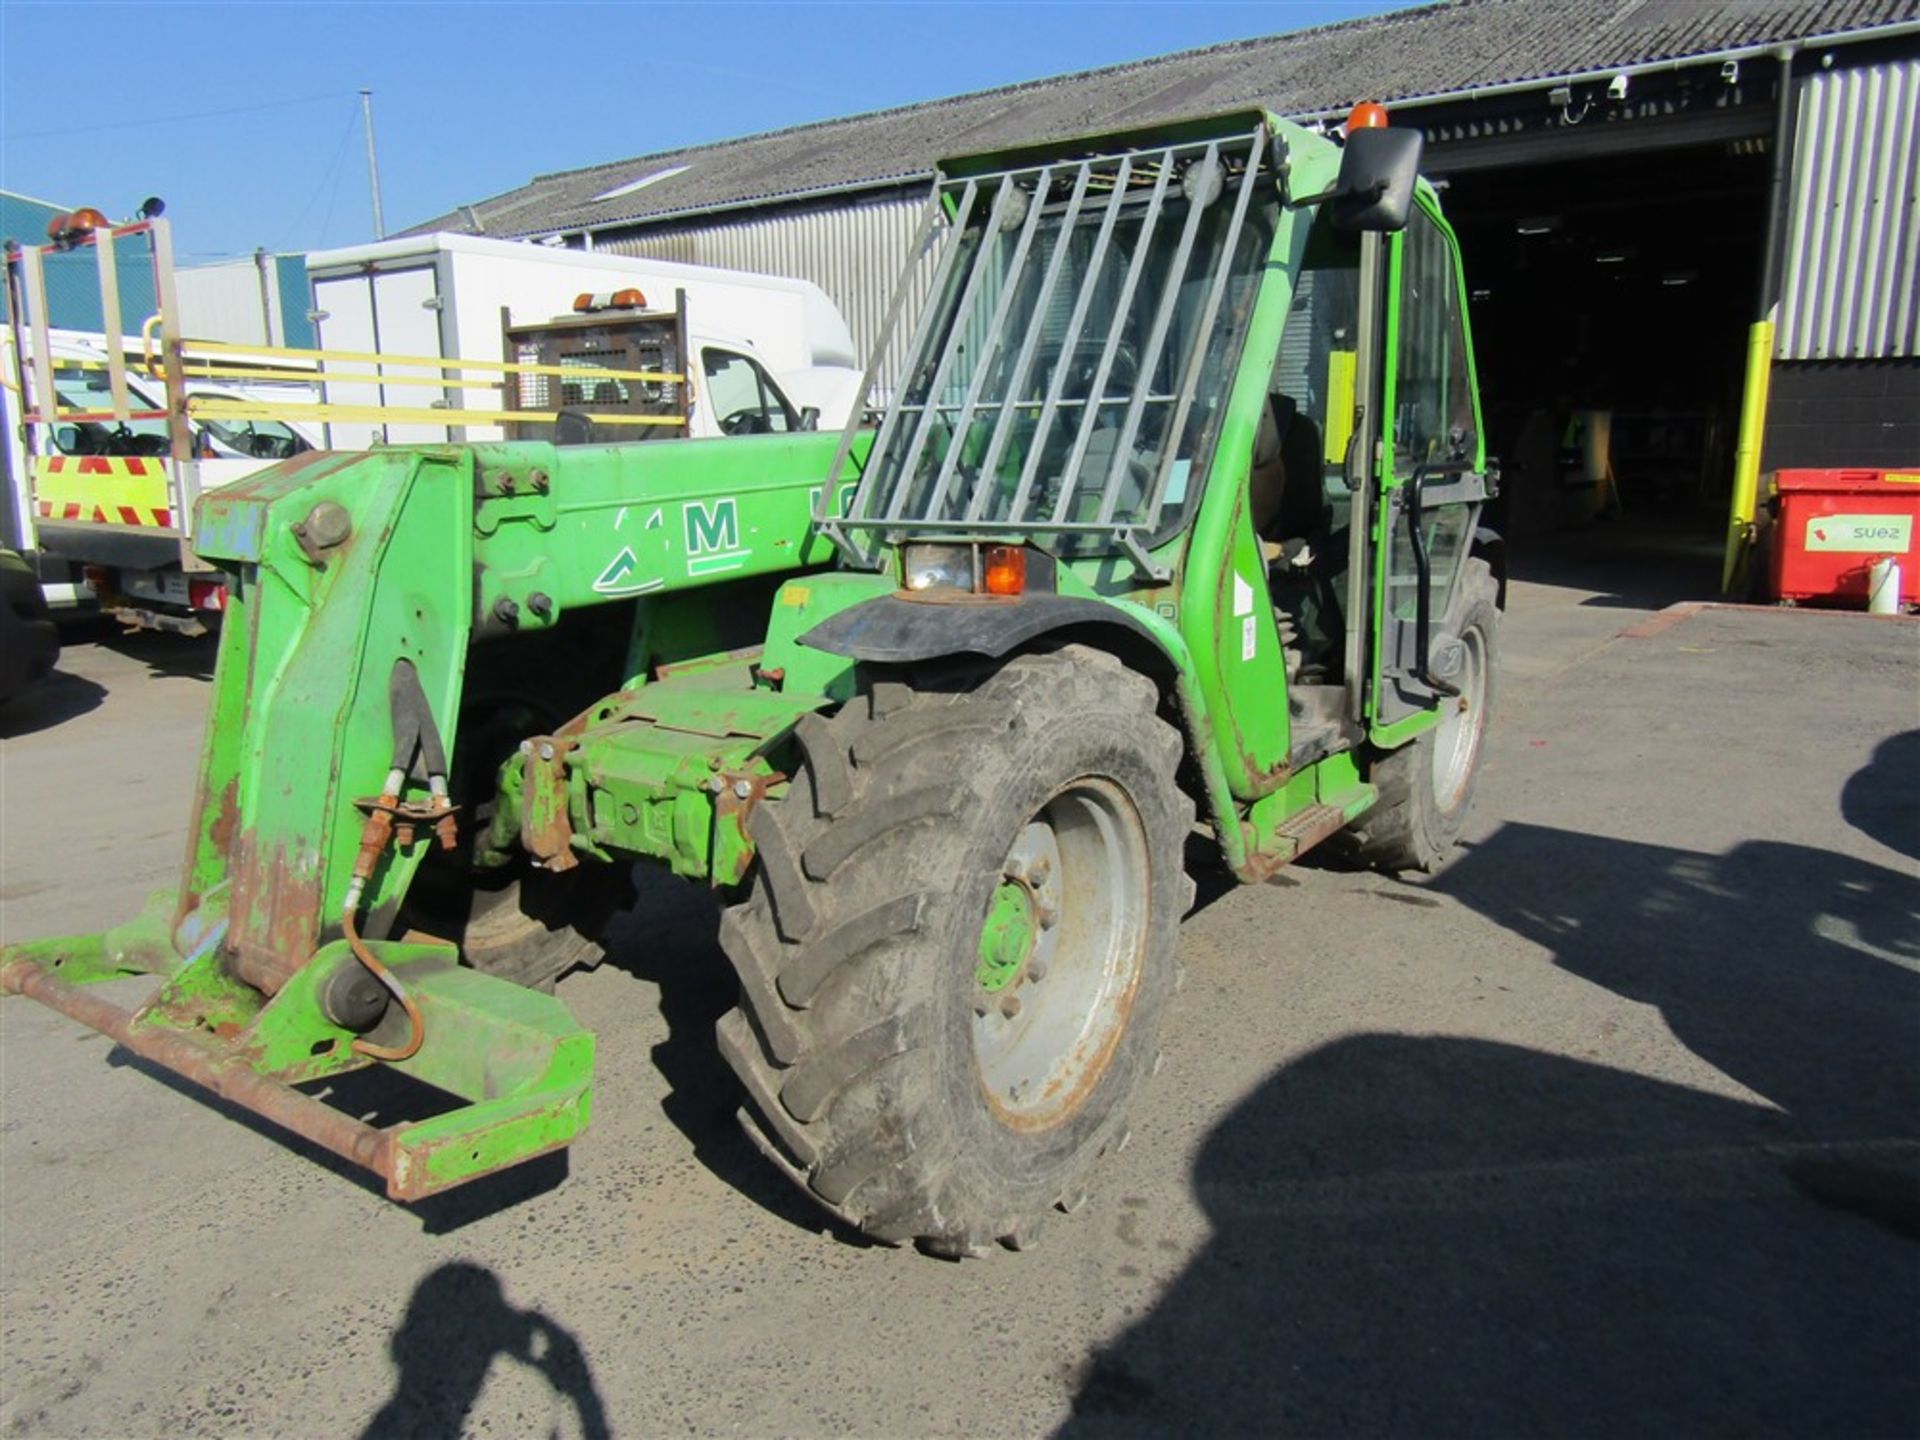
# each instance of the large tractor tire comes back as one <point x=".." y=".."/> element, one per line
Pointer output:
<point x="957" y="945"/>
<point x="1426" y="787"/>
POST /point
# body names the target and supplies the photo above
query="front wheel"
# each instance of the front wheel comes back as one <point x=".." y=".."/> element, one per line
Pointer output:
<point x="958" y="943"/>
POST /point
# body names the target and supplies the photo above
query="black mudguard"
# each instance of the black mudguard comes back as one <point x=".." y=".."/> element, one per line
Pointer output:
<point x="896" y="630"/>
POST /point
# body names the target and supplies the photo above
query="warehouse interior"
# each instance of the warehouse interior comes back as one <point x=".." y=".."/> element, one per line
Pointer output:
<point x="1610" y="299"/>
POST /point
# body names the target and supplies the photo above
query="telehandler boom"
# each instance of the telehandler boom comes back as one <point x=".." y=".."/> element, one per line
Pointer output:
<point x="1168" y="527"/>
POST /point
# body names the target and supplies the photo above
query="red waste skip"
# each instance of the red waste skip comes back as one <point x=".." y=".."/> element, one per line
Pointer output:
<point x="1832" y="525"/>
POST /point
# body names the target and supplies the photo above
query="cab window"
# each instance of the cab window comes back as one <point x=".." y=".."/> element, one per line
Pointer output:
<point x="744" y="398"/>
<point x="1433" y="399"/>
<point x="1315" y="372"/>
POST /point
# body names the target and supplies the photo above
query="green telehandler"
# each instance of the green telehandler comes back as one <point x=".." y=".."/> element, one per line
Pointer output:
<point x="1166" y="533"/>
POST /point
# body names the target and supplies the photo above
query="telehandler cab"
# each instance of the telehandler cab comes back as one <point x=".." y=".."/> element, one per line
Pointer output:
<point x="1167" y="526"/>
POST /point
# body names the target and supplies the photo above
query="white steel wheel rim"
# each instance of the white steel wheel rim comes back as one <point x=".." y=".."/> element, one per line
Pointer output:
<point x="1039" y="1058"/>
<point x="1463" y="723"/>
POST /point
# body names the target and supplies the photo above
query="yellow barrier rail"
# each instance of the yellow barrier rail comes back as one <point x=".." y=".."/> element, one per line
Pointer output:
<point x="438" y="382"/>
<point x="428" y="362"/>
<point x="223" y="409"/>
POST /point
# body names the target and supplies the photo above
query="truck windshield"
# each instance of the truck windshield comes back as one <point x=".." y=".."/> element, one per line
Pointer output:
<point x="1077" y="350"/>
<point x="88" y="390"/>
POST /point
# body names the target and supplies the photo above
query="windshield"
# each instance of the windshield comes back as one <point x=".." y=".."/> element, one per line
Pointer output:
<point x="1077" y="351"/>
<point x="88" y="390"/>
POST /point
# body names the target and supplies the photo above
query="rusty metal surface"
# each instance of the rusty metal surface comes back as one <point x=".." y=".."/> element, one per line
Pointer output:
<point x="290" y="901"/>
<point x="226" y="1075"/>
<point x="546" y="829"/>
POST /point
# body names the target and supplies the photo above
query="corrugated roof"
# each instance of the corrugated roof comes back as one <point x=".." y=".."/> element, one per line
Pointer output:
<point x="1428" y="51"/>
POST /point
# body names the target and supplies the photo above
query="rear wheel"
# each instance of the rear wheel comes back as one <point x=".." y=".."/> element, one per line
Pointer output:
<point x="526" y="925"/>
<point x="1426" y="786"/>
<point x="520" y="923"/>
<point x="957" y="945"/>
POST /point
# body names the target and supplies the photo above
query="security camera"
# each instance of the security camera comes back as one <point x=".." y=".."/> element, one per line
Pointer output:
<point x="1730" y="71"/>
<point x="1617" y="88"/>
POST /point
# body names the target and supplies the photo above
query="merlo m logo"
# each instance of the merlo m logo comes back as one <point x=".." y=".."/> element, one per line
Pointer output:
<point x="710" y="529"/>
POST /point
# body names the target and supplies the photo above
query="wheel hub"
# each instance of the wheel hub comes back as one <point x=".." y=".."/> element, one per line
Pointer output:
<point x="1007" y="940"/>
<point x="1018" y="939"/>
<point x="1051" y="989"/>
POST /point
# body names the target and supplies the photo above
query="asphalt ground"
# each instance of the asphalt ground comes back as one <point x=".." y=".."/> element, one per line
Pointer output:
<point x="1612" y="1127"/>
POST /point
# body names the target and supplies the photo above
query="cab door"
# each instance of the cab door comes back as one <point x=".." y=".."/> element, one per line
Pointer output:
<point x="1432" y="476"/>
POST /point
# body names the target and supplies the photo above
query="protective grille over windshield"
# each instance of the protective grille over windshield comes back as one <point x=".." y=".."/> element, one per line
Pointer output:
<point x="1073" y="358"/>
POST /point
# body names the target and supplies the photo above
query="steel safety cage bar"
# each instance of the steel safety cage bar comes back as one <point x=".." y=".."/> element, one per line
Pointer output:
<point x="825" y="519"/>
<point x="956" y="329"/>
<point x="996" y="326"/>
<point x="965" y="331"/>
<point x="1022" y="366"/>
<point x="1116" y="328"/>
<point x="1196" y="359"/>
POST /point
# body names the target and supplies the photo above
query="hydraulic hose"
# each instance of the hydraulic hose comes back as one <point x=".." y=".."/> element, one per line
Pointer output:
<point x="413" y="730"/>
<point x="374" y="836"/>
<point x="417" y="1025"/>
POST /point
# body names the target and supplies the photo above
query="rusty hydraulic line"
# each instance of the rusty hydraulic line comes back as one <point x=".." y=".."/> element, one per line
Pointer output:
<point x="413" y="729"/>
<point x="416" y="1022"/>
<point x="374" y="837"/>
<point x="229" y="1077"/>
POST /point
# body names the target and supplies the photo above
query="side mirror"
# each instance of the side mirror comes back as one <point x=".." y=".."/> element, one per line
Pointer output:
<point x="66" y="439"/>
<point x="810" y="418"/>
<point x="1377" y="171"/>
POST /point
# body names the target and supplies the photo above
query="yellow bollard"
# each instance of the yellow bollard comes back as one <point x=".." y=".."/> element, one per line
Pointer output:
<point x="1746" y="458"/>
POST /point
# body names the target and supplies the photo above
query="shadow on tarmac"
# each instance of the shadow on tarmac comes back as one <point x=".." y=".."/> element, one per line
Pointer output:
<point x="1632" y="563"/>
<point x="1882" y="798"/>
<point x="164" y="653"/>
<point x="1437" y="1236"/>
<point x="671" y="938"/>
<point x="457" y="1324"/>
<point x="49" y="702"/>
<point x="380" y="1097"/>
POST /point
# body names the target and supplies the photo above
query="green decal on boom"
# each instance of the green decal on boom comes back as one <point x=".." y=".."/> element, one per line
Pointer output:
<point x="622" y="576"/>
<point x="713" y="537"/>
<point x="715" y="529"/>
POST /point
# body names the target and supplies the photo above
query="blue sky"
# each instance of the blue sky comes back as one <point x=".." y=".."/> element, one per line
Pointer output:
<point x="248" y="121"/>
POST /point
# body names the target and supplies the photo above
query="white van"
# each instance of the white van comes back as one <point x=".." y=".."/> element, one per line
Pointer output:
<point x="442" y="295"/>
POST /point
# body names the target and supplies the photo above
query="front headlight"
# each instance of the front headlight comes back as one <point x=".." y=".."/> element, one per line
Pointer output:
<point x="937" y="567"/>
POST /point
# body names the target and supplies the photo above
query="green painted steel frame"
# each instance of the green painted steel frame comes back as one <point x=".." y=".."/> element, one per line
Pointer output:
<point x="449" y="545"/>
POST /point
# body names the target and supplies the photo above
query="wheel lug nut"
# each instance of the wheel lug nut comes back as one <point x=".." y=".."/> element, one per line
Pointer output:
<point x="981" y="1005"/>
<point x="1047" y="915"/>
<point x="1010" y="1006"/>
<point x="1036" y="970"/>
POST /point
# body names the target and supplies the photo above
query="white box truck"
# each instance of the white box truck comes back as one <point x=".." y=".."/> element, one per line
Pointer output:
<point x="440" y="295"/>
<point x="103" y="467"/>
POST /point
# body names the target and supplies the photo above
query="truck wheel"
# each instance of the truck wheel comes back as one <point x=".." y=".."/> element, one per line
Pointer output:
<point x="1426" y="786"/>
<point x="957" y="945"/>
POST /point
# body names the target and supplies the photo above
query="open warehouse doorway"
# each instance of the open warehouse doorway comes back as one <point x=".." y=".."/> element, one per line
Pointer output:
<point x="1611" y="297"/>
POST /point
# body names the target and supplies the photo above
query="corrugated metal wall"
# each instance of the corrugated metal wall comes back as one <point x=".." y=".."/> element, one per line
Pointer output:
<point x="1852" y="282"/>
<point x="853" y="249"/>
